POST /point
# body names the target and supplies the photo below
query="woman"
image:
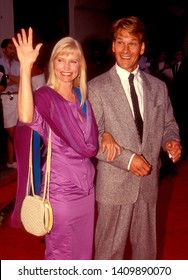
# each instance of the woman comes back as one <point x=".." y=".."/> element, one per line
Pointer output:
<point x="63" y="108"/>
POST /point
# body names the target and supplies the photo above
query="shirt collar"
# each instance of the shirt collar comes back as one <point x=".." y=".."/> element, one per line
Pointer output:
<point x="125" y="74"/>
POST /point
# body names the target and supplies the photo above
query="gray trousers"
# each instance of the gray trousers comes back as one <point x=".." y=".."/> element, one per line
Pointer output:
<point x="116" y="222"/>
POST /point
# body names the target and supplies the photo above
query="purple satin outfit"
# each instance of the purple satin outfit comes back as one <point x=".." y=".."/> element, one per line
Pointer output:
<point x="72" y="173"/>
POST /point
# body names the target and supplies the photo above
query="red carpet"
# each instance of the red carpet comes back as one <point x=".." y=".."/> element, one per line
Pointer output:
<point x="7" y="194"/>
<point x="173" y="216"/>
<point x="172" y="224"/>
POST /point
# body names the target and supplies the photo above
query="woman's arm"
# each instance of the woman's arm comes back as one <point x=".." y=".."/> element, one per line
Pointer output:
<point x="27" y="56"/>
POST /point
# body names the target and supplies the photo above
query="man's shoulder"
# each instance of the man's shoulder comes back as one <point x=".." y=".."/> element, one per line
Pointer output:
<point x="102" y="78"/>
<point x="99" y="77"/>
<point x="151" y="78"/>
<point x="15" y="62"/>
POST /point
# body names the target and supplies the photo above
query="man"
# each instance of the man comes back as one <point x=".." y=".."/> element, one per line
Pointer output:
<point x="9" y="97"/>
<point x="127" y="187"/>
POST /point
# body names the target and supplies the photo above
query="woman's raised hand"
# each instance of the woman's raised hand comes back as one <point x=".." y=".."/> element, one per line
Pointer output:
<point x="24" y="47"/>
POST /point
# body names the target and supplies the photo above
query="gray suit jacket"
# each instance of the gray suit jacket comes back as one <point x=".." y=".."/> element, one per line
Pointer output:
<point x="114" y="183"/>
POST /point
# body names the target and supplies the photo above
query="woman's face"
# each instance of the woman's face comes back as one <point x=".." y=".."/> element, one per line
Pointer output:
<point x="127" y="49"/>
<point x="67" y="67"/>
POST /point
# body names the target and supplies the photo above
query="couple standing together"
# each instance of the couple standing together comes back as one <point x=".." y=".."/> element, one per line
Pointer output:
<point x="102" y="126"/>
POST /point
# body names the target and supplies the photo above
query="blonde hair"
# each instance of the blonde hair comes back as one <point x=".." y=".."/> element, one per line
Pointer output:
<point x="68" y="45"/>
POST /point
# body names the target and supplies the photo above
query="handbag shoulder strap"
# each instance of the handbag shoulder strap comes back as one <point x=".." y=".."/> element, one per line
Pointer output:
<point x="47" y="174"/>
<point x="30" y="181"/>
<point x="30" y="169"/>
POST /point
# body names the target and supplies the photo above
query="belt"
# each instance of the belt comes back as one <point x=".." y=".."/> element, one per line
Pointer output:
<point x="10" y="94"/>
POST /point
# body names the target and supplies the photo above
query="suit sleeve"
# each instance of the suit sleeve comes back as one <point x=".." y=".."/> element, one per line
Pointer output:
<point x="171" y="129"/>
<point x="121" y="161"/>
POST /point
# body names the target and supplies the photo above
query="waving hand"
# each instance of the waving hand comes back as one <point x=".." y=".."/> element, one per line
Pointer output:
<point x="24" y="47"/>
<point x="27" y="56"/>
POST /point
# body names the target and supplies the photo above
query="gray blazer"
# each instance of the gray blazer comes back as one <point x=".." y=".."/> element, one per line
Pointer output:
<point x="114" y="183"/>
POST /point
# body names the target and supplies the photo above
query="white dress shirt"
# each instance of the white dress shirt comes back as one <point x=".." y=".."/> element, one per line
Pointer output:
<point x="124" y="75"/>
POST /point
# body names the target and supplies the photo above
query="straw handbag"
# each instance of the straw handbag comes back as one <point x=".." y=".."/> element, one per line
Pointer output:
<point x="36" y="211"/>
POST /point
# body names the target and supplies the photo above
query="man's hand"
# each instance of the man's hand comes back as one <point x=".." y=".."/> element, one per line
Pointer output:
<point x="139" y="166"/>
<point x="174" y="150"/>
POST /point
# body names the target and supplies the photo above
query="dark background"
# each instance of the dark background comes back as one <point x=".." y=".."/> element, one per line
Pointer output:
<point x="165" y="21"/>
<point x="49" y="18"/>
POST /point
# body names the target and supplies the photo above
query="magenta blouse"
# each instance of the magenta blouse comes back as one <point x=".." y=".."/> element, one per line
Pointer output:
<point x="74" y="143"/>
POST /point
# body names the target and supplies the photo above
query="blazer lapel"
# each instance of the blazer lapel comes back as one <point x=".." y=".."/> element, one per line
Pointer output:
<point x="121" y="100"/>
<point x="148" y="107"/>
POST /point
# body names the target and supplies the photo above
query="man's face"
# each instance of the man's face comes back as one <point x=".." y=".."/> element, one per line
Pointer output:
<point x="127" y="49"/>
<point x="178" y="56"/>
<point x="10" y="51"/>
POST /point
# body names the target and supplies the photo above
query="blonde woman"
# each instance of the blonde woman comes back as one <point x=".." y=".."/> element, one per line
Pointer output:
<point x="65" y="109"/>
